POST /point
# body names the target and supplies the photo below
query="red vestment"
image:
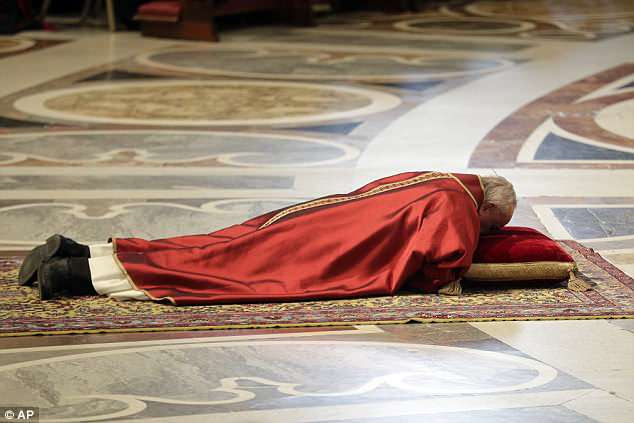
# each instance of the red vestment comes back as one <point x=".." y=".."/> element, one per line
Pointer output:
<point x="419" y="228"/>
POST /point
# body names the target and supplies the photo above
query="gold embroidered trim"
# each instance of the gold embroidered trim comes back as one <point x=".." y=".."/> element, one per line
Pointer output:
<point x="466" y="189"/>
<point x="383" y="188"/>
<point x="539" y="270"/>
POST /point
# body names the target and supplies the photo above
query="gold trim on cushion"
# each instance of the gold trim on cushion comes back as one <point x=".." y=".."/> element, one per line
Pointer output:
<point x="539" y="270"/>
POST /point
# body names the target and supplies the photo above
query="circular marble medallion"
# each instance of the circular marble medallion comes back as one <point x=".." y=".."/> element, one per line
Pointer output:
<point x="272" y="63"/>
<point x="10" y="45"/>
<point x="618" y="118"/>
<point x="237" y="374"/>
<point x="464" y="26"/>
<point x="548" y="9"/>
<point x="206" y="103"/>
<point x="559" y="34"/>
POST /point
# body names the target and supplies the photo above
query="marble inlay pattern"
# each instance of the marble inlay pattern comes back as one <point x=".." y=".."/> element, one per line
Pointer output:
<point x="543" y="414"/>
<point x="118" y="75"/>
<point x="464" y="26"/>
<point x="143" y="182"/>
<point x="585" y="19"/>
<point x="261" y="375"/>
<point x="584" y="124"/>
<point x="559" y="148"/>
<point x="173" y="148"/>
<point x="6" y="122"/>
<point x="597" y="222"/>
<point x="537" y="81"/>
<point x="382" y="40"/>
<point x="238" y="60"/>
<point x="617" y="118"/>
<point x="206" y="103"/>
<point x="540" y="19"/>
<point x="613" y="18"/>
<point x="589" y="222"/>
<point x="24" y="224"/>
<point x="602" y="224"/>
<point x="14" y="44"/>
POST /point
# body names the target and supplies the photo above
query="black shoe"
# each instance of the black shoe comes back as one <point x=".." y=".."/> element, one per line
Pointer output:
<point x="65" y="275"/>
<point x="30" y="265"/>
<point x="55" y="246"/>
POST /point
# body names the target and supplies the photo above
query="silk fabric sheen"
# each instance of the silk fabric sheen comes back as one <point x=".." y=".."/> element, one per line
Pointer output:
<point x="422" y="234"/>
<point x="515" y="244"/>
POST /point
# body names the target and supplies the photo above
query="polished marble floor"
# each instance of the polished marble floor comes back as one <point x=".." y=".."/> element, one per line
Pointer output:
<point x="118" y="135"/>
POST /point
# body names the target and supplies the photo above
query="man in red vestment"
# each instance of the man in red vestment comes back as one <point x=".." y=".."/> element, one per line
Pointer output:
<point x="418" y="229"/>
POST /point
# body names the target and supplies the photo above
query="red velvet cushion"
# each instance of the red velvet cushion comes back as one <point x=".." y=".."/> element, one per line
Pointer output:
<point x="168" y="9"/>
<point x="513" y="244"/>
<point x="520" y="254"/>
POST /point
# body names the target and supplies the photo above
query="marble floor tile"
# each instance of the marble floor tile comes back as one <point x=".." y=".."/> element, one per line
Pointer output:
<point x="381" y="40"/>
<point x="107" y="134"/>
<point x="595" y="351"/>
<point x="603" y="406"/>
<point x="503" y="19"/>
<point x="408" y="411"/>
<point x="191" y="103"/>
<point x="624" y="324"/>
<point x="597" y="222"/>
<point x="84" y="50"/>
<point x="546" y="414"/>
<point x="254" y="61"/>
<point x="347" y="374"/>
<point x="25" y="224"/>
<point x="153" y="148"/>
<point x="422" y="136"/>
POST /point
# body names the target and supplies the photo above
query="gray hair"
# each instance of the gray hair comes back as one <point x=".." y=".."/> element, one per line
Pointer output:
<point x="499" y="191"/>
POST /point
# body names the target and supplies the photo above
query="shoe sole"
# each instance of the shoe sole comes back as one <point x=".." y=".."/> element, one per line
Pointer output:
<point x="40" y="255"/>
<point x="28" y="269"/>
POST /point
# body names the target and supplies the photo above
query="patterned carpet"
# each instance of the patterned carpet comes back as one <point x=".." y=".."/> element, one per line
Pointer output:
<point x="21" y="312"/>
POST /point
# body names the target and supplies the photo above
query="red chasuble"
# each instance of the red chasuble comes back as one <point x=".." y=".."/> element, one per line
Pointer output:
<point x="418" y="229"/>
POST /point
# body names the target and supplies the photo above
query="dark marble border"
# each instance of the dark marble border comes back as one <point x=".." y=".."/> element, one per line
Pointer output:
<point x="39" y="45"/>
<point x="457" y="11"/>
<point x="502" y="144"/>
<point x="99" y="338"/>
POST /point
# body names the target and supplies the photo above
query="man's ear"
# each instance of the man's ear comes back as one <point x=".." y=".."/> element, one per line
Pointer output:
<point x="487" y="206"/>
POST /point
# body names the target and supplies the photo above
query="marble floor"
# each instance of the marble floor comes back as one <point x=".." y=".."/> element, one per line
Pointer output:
<point x="112" y="134"/>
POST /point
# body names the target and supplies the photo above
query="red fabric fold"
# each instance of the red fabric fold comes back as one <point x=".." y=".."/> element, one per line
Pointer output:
<point x="424" y="234"/>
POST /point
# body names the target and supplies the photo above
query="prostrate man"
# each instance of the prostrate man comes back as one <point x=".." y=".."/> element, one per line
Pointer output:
<point x="418" y="229"/>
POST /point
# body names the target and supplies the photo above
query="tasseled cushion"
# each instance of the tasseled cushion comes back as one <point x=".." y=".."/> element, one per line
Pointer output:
<point x="522" y="254"/>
